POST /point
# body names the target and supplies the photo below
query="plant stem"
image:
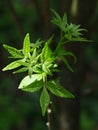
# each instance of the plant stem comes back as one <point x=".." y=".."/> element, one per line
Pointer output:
<point x="48" y="118"/>
<point x="59" y="43"/>
<point x="48" y="123"/>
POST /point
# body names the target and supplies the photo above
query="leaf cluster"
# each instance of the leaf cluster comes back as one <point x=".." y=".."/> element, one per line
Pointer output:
<point x="41" y="62"/>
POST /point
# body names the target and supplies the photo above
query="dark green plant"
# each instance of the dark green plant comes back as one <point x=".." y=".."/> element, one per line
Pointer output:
<point x="40" y="61"/>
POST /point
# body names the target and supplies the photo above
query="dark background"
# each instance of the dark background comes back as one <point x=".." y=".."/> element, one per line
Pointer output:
<point x="20" y="110"/>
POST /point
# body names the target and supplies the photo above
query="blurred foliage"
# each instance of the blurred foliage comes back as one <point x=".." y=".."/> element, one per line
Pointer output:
<point x="21" y="111"/>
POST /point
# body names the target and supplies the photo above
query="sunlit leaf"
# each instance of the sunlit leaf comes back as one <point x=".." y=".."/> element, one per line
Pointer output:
<point x="26" y="45"/>
<point x="28" y="80"/>
<point x="37" y="44"/>
<point x="13" y="51"/>
<point x="33" y="87"/>
<point x="37" y="68"/>
<point x="46" y="52"/>
<point x="24" y="69"/>
<point x="46" y="69"/>
<point x="11" y="66"/>
<point x="22" y="62"/>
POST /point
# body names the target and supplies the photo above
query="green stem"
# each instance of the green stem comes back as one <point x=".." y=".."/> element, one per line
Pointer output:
<point x="48" y="110"/>
<point x="65" y="42"/>
<point x="60" y="42"/>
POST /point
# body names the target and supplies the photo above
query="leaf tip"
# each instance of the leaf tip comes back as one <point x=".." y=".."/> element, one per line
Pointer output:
<point x="3" y="69"/>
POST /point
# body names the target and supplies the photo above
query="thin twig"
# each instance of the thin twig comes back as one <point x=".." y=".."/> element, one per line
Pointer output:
<point x="48" y="118"/>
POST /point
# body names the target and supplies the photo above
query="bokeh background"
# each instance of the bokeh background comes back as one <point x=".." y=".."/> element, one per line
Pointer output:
<point x="20" y="110"/>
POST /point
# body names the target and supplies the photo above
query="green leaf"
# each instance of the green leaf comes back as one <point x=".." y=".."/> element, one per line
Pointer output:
<point x="80" y="39"/>
<point x="23" y="62"/>
<point x="46" y="69"/>
<point x="48" y="65"/>
<point x="50" y="40"/>
<point x="66" y="63"/>
<point x="26" y="45"/>
<point x="63" y="23"/>
<point x="30" y="71"/>
<point x="49" y="61"/>
<point x="34" y="54"/>
<point x="37" y="68"/>
<point x="46" y="53"/>
<point x="61" y="52"/>
<point x="44" y="100"/>
<point x="57" y="19"/>
<point x="24" y="69"/>
<point x="68" y="53"/>
<point x="65" y="18"/>
<point x="11" y="66"/>
<point x="37" y="44"/>
<point x="28" y="80"/>
<point x="58" y="90"/>
<point x="33" y="87"/>
<point x="56" y="14"/>
<point x="13" y="51"/>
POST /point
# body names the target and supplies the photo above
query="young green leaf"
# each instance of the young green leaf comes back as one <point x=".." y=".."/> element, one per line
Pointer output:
<point x="29" y="80"/>
<point x="61" y="52"/>
<point x="44" y="100"/>
<point x="33" y="87"/>
<point x="64" y="19"/>
<point x="50" y="40"/>
<point x="57" y="19"/>
<point x="63" y="23"/>
<point x="46" y="70"/>
<point x="11" y="66"/>
<point x="66" y="63"/>
<point x="58" y="90"/>
<point x="26" y="45"/>
<point x="13" y="51"/>
<point x="49" y="61"/>
<point x="46" y="53"/>
<point x="23" y="62"/>
<point x="24" y="69"/>
<point x="34" y="54"/>
<point x="80" y="39"/>
<point x="37" y="44"/>
<point x="30" y="71"/>
<point x="37" y="68"/>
